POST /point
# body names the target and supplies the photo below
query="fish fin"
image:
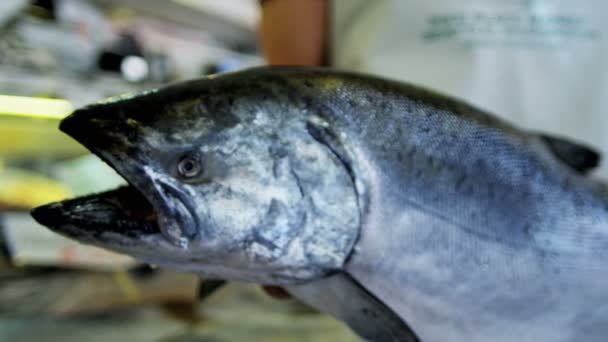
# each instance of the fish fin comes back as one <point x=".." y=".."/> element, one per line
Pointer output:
<point x="343" y="297"/>
<point x="581" y="158"/>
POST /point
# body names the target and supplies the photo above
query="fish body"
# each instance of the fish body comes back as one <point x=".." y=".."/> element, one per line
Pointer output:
<point x="405" y="213"/>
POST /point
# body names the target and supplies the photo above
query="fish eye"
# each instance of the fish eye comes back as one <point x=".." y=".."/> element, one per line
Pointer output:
<point x="189" y="167"/>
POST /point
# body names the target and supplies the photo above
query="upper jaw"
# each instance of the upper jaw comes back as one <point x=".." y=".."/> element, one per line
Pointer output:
<point x="109" y="135"/>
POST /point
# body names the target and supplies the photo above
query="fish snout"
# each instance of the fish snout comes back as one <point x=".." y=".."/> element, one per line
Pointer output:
<point x="50" y="215"/>
<point x="100" y="127"/>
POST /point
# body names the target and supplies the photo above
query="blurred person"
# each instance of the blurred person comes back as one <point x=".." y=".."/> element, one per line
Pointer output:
<point x="539" y="64"/>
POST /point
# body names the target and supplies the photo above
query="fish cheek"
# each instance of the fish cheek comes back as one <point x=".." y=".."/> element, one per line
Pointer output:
<point x="230" y="215"/>
<point x="253" y="208"/>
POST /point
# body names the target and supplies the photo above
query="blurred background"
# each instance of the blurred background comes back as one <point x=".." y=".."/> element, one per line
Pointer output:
<point x="56" y="55"/>
<point x="539" y="64"/>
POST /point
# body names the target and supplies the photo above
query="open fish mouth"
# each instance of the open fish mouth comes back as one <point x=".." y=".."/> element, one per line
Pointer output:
<point x="150" y="204"/>
<point x="124" y="211"/>
<point x="146" y="206"/>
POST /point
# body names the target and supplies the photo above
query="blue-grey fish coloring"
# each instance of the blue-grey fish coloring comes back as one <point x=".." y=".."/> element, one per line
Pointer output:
<point x="407" y="214"/>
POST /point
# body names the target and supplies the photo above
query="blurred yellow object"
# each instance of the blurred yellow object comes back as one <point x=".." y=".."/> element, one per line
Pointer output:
<point x="35" y="107"/>
<point x="127" y="286"/>
<point x="35" y="139"/>
<point x="24" y="189"/>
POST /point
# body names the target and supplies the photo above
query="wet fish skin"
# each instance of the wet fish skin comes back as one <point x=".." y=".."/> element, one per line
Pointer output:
<point x="258" y="160"/>
<point x="475" y="230"/>
<point x="465" y="226"/>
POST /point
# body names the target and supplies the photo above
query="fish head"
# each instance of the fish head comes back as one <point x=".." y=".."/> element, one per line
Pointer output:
<point x="224" y="180"/>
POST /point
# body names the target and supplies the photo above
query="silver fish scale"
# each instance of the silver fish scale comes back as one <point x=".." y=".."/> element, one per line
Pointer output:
<point x="406" y="214"/>
<point x="474" y="233"/>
